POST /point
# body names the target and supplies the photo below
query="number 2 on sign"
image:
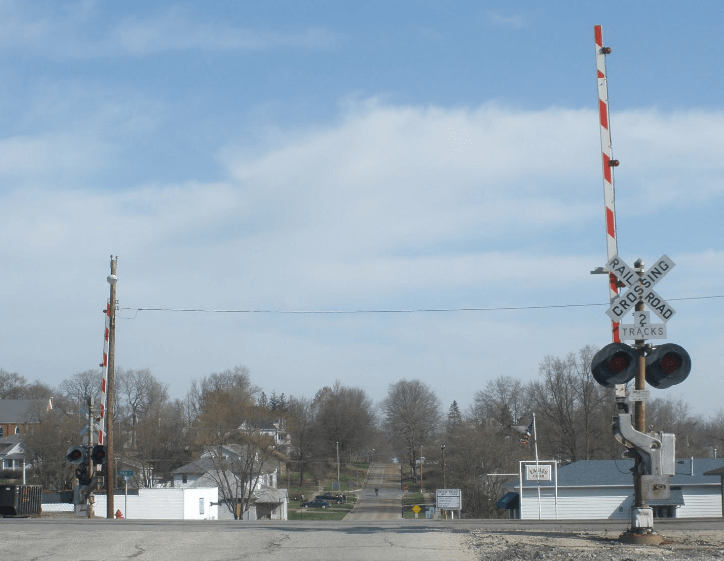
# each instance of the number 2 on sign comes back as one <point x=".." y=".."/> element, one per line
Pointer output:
<point x="641" y="319"/>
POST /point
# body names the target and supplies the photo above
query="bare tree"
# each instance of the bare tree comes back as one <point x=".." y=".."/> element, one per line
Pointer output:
<point x="15" y="386"/>
<point x="301" y="425"/>
<point x="81" y="386"/>
<point x="714" y="434"/>
<point x="45" y="447"/>
<point x="162" y="442"/>
<point x="12" y="385"/>
<point x="670" y="414"/>
<point x="411" y="416"/>
<point x="343" y="415"/>
<point x="503" y="402"/>
<point x="473" y="451"/>
<point x="235" y="383"/>
<point x="571" y="407"/>
<point x="139" y="393"/>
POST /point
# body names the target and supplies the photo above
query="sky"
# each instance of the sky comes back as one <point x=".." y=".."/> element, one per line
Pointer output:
<point x="353" y="192"/>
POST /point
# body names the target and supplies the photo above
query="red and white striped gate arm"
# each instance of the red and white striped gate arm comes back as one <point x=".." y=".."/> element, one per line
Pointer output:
<point x="609" y="163"/>
<point x="104" y="380"/>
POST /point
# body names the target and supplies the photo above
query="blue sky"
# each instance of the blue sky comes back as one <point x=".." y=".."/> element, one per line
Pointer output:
<point x="338" y="156"/>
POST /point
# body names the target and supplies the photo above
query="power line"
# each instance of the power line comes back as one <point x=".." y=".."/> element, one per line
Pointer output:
<point x="391" y="311"/>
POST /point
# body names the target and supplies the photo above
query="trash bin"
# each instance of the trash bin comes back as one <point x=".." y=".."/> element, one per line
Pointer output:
<point x="21" y="500"/>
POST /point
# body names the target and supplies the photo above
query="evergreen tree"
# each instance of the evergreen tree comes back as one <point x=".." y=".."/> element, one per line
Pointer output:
<point x="454" y="419"/>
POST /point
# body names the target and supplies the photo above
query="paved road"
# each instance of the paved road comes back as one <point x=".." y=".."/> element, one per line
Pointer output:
<point x="374" y="530"/>
<point x="163" y="540"/>
<point x="385" y="505"/>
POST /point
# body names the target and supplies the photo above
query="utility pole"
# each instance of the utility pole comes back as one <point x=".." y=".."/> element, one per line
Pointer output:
<point x="89" y="497"/>
<point x="444" y="484"/>
<point x="110" y="393"/>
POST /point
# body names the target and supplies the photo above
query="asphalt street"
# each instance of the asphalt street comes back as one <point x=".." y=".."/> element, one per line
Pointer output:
<point x="373" y="530"/>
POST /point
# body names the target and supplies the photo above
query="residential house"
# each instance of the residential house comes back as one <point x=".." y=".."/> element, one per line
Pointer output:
<point x="17" y="414"/>
<point x="276" y="432"/>
<point x="12" y="455"/>
<point x="603" y="489"/>
<point x="266" y="500"/>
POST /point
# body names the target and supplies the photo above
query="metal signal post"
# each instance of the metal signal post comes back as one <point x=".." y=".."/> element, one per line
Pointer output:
<point x="617" y="364"/>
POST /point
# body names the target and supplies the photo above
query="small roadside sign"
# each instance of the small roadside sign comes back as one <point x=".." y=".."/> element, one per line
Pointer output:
<point x="416" y="509"/>
<point x="125" y="473"/>
<point x="539" y="472"/>
<point x="639" y="395"/>
<point x="448" y="499"/>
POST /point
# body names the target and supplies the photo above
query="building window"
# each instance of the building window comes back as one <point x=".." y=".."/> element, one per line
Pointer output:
<point x="184" y="478"/>
<point x="1" y="432"/>
<point x="17" y="430"/>
<point x="201" y="506"/>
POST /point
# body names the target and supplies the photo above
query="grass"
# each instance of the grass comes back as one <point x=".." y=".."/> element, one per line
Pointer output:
<point x="351" y="477"/>
<point x="412" y="499"/>
<point x="334" y="512"/>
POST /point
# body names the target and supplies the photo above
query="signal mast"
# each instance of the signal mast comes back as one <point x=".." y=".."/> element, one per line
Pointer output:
<point x="616" y="364"/>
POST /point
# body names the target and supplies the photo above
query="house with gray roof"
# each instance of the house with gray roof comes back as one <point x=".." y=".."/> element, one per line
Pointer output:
<point x="603" y="489"/>
<point x="267" y="502"/>
<point x="17" y="414"/>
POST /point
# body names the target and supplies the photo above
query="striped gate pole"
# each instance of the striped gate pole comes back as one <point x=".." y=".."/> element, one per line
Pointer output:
<point x="104" y="380"/>
<point x="609" y="163"/>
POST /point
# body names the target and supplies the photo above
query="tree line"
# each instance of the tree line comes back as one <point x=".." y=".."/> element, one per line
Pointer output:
<point x="459" y="449"/>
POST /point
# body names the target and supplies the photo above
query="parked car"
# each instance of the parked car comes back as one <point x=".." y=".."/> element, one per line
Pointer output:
<point x="316" y="503"/>
<point x="332" y="498"/>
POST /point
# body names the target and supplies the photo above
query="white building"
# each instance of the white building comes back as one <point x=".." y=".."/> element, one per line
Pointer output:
<point x="603" y="489"/>
<point x="163" y="504"/>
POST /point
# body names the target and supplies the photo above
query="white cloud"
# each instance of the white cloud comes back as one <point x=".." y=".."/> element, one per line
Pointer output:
<point x="391" y="207"/>
<point x="74" y="30"/>
<point x="515" y="21"/>
<point x="179" y="30"/>
<point x="49" y="156"/>
<point x="670" y="157"/>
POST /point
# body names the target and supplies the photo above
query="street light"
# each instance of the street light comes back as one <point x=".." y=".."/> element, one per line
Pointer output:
<point x="444" y="484"/>
<point x="339" y="488"/>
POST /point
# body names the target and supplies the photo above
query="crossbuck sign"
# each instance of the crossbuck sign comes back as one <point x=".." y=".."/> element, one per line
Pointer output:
<point x="640" y="289"/>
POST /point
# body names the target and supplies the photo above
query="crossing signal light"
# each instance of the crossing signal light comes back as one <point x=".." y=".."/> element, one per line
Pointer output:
<point x="99" y="455"/>
<point x="77" y="455"/>
<point x="615" y="363"/>
<point x="667" y="365"/>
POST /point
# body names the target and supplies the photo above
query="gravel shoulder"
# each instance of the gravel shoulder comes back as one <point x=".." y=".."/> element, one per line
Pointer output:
<point x="580" y="546"/>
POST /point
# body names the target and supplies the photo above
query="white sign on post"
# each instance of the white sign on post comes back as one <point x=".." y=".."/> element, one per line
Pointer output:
<point x="641" y="290"/>
<point x="642" y="328"/>
<point x="448" y="499"/>
<point x="540" y="472"/>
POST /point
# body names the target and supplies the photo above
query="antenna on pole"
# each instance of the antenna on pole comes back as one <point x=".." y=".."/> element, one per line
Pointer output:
<point x="609" y="197"/>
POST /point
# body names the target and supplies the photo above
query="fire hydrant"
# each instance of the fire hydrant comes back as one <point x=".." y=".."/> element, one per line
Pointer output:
<point x="119" y="514"/>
